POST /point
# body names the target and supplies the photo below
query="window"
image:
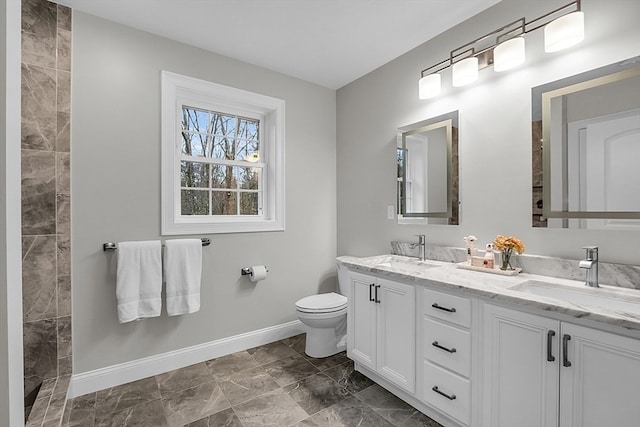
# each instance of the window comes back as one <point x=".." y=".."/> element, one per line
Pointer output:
<point x="222" y="158"/>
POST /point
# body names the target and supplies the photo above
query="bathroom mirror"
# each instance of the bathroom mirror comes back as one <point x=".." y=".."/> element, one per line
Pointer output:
<point x="427" y="171"/>
<point x="586" y="149"/>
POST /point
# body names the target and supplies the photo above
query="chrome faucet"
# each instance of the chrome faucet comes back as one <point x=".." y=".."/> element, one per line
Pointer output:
<point x="421" y="247"/>
<point x="591" y="265"/>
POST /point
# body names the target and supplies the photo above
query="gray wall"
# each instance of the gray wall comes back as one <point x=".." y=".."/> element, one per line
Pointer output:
<point x="116" y="196"/>
<point x="494" y="139"/>
<point x="11" y="402"/>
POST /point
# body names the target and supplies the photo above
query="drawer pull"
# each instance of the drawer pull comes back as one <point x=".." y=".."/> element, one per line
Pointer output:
<point x="450" y="310"/>
<point x="370" y="292"/>
<point x="435" y="388"/>
<point x="550" y="335"/>
<point x="450" y="350"/>
<point x="565" y="350"/>
<point x="376" y="295"/>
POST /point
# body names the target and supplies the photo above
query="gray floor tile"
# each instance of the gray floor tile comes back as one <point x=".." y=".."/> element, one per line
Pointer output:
<point x="226" y="418"/>
<point x="351" y="412"/>
<point x="274" y="409"/>
<point x="194" y="403"/>
<point x="349" y="378"/>
<point x="386" y="404"/>
<point x="289" y="370"/>
<point x="328" y="362"/>
<point x="316" y="393"/>
<point x="420" y="420"/>
<point x="184" y="378"/>
<point x="246" y="385"/>
<point x="147" y="414"/>
<point x="271" y="352"/>
<point x="125" y="396"/>
<point x="222" y="367"/>
<point x="297" y="343"/>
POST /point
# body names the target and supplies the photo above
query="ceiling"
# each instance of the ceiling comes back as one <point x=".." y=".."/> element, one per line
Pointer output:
<point x="327" y="42"/>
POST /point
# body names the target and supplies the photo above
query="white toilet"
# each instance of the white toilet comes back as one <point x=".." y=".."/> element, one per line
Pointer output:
<point x="325" y="317"/>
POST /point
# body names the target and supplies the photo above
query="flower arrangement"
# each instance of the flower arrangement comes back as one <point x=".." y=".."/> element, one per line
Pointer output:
<point x="507" y="245"/>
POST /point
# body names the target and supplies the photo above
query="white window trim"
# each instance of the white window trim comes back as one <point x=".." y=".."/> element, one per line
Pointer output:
<point x="178" y="90"/>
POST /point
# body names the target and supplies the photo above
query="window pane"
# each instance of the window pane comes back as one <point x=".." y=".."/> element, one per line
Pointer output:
<point x="194" y="174"/>
<point x="249" y="178"/>
<point x="224" y="203"/>
<point x="195" y="202"/>
<point x="248" y="150"/>
<point x="248" y="129"/>
<point x="248" y="203"/>
<point x="194" y="120"/>
<point x="223" y="125"/>
<point x="195" y="144"/>
<point x="224" y="176"/>
<point x="222" y="148"/>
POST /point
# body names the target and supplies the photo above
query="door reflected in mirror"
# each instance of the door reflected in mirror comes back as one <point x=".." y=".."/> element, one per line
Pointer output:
<point x="586" y="150"/>
<point x="427" y="171"/>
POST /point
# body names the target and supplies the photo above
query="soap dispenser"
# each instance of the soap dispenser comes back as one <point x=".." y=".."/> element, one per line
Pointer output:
<point x="488" y="260"/>
<point x="470" y="242"/>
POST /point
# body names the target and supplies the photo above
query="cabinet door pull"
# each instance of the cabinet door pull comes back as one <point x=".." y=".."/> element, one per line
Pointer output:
<point x="435" y="388"/>
<point x="450" y="310"/>
<point x="550" y="335"/>
<point x="371" y="292"/>
<point x="565" y="350"/>
<point x="450" y="350"/>
<point x="376" y="296"/>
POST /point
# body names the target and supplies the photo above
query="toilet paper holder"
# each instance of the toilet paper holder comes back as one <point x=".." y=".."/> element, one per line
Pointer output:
<point x="247" y="271"/>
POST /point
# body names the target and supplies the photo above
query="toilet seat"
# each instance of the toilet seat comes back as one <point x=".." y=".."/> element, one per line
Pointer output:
<point x="322" y="303"/>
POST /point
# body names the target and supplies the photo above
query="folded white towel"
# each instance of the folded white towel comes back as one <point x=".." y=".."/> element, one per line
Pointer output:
<point x="183" y="271"/>
<point x="139" y="280"/>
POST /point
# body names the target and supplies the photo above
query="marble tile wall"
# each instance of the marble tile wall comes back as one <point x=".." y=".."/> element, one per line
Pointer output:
<point x="46" y="197"/>
<point x="622" y="275"/>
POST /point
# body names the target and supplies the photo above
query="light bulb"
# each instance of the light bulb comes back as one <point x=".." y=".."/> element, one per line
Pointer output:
<point x="564" y="32"/>
<point x="508" y="54"/>
<point x="429" y="86"/>
<point x="465" y="72"/>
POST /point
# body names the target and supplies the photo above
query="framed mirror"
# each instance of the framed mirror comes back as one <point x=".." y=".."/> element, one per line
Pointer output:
<point x="427" y="171"/>
<point x="586" y="149"/>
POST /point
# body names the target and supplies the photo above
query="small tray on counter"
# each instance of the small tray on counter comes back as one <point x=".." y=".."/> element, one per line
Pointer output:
<point x="466" y="266"/>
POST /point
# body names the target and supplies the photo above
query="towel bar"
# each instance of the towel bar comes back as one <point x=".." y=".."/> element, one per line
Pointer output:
<point x="110" y="246"/>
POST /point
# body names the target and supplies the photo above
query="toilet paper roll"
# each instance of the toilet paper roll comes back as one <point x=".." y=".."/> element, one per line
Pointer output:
<point x="258" y="272"/>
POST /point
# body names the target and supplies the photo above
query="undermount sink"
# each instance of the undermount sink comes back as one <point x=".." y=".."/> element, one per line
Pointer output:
<point x="415" y="267"/>
<point x="607" y="298"/>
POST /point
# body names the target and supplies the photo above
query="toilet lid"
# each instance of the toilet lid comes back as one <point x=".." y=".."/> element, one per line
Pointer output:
<point x="322" y="303"/>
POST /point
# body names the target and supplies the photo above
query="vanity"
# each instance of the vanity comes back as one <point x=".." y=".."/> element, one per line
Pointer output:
<point x="471" y="348"/>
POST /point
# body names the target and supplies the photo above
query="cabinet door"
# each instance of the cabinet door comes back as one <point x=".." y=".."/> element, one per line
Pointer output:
<point x="361" y="321"/>
<point x="602" y="385"/>
<point x="397" y="333"/>
<point x="520" y="369"/>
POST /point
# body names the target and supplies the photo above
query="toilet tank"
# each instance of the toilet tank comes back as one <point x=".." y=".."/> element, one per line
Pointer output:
<point x="343" y="280"/>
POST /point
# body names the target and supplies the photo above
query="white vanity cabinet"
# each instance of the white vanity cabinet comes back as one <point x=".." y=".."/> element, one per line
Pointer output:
<point x="542" y="372"/>
<point x="446" y="352"/>
<point x="381" y="328"/>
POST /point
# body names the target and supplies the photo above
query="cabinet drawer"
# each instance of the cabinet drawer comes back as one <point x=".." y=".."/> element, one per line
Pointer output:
<point x="447" y="346"/>
<point x="447" y="307"/>
<point x="453" y="395"/>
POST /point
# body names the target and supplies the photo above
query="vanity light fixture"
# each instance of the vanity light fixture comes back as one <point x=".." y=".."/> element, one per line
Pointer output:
<point x="504" y="48"/>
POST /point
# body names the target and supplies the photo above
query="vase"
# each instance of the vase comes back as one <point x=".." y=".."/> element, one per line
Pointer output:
<point x="506" y="260"/>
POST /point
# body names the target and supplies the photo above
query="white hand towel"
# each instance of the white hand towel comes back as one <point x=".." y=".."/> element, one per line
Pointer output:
<point x="183" y="271"/>
<point x="139" y="280"/>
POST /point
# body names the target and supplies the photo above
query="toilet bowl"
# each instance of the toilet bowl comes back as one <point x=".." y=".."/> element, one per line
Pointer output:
<point x="325" y="317"/>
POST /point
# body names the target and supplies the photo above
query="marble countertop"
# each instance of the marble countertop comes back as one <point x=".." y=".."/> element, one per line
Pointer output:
<point x="445" y="276"/>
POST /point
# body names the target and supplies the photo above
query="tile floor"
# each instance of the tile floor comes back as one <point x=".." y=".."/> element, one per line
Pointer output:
<point x="272" y="385"/>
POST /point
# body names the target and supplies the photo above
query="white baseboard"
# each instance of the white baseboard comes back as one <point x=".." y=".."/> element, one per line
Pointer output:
<point x="122" y="373"/>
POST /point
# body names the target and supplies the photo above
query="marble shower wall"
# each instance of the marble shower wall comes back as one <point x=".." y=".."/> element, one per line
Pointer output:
<point x="46" y="231"/>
